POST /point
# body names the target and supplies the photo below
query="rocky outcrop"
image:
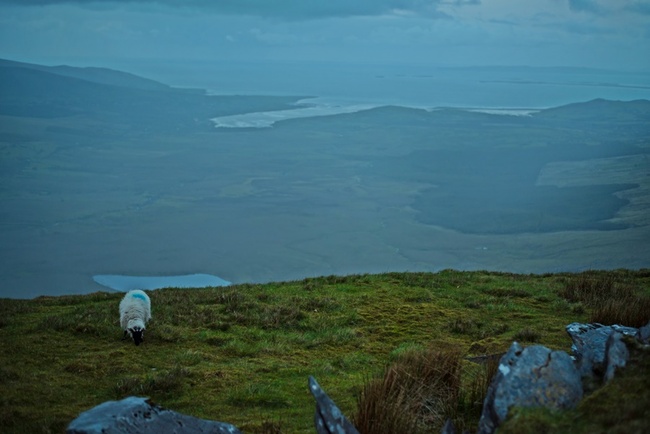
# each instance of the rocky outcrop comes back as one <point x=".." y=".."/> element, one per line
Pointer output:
<point x="644" y="334"/>
<point x="538" y="377"/>
<point x="140" y="416"/>
<point x="530" y="377"/>
<point x="589" y="348"/>
<point x="616" y="354"/>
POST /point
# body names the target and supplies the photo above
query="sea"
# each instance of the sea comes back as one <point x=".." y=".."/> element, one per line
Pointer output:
<point x="328" y="88"/>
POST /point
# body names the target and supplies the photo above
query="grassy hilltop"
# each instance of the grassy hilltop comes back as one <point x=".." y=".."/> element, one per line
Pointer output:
<point x="242" y="354"/>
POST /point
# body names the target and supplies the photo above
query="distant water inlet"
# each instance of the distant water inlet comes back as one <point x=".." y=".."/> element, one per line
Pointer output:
<point x="302" y="110"/>
<point x="127" y="283"/>
<point x="305" y="110"/>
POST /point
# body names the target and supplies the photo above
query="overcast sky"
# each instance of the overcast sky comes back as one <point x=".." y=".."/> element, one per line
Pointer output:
<point x="596" y="33"/>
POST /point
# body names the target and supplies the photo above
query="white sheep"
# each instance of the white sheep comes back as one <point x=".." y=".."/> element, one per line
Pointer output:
<point x="135" y="311"/>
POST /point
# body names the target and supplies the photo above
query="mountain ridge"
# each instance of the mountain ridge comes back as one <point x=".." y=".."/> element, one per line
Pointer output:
<point x="92" y="74"/>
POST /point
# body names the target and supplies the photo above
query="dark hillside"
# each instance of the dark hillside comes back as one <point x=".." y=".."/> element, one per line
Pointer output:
<point x="29" y="92"/>
<point x="483" y="169"/>
<point x="95" y="75"/>
<point x="616" y="120"/>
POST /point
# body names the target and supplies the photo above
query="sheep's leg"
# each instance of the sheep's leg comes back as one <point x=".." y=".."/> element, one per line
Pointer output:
<point x="126" y="335"/>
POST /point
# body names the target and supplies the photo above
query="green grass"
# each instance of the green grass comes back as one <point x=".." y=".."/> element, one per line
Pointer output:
<point x="243" y="354"/>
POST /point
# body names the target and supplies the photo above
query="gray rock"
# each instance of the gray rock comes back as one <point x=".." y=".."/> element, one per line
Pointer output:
<point x="530" y="377"/>
<point x="644" y="334"/>
<point x="139" y="415"/>
<point x="616" y="354"/>
<point x="589" y="345"/>
<point x="449" y="428"/>
<point x="328" y="418"/>
<point x="490" y="419"/>
<point x="625" y="330"/>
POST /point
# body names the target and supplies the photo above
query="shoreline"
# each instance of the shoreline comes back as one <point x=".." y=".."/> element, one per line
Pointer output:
<point x="305" y="109"/>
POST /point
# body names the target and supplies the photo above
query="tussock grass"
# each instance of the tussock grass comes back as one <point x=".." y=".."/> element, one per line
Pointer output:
<point x="527" y="335"/>
<point x="613" y="298"/>
<point x="592" y="288"/>
<point x="93" y="320"/>
<point x="259" y="395"/>
<point x="421" y="389"/>
<point x="415" y="394"/>
<point x="163" y="383"/>
<point x="477" y="379"/>
<point x="10" y="308"/>
<point x="477" y="329"/>
<point x="633" y="311"/>
<point x="507" y="292"/>
<point x="242" y="354"/>
<point x="7" y="375"/>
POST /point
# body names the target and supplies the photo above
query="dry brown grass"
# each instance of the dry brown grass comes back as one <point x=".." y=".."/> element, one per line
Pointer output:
<point x="422" y="389"/>
<point x="612" y="299"/>
<point x="633" y="311"/>
<point x="527" y="335"/>
<point x="415" y="394"/>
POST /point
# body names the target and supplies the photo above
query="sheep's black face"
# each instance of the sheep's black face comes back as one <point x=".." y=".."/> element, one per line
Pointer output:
<point x="137" y="335"/>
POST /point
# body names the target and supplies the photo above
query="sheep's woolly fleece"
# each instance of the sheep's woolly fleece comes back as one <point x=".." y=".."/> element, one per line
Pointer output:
<point x="135" y="310"/>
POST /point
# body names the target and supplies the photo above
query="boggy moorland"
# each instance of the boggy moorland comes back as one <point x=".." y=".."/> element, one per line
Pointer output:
<point x="107" y="173"/>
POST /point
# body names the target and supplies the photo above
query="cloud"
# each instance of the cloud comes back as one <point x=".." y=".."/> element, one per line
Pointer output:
<point x="291" y="9"/>
<point x="642" y="8"/>
<point x="604" y="8"/>
<point x="585" y="6"/>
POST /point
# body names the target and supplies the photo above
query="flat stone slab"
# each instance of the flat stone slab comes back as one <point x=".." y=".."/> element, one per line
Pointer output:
<point x="134" y="415"/>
